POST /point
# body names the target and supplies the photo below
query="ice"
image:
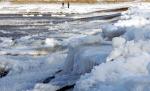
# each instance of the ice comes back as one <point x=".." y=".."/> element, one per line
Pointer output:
<point x="84" y="53"/>
<point x="24" y="74"/>
<point x="93" y="55"/>
<point x="86" y="40"/>
<point x="82" y="59"/>
<point x="6" y="42"/>
<point x="45" y="87"/>
<point x="51" y="42"/>
<point x="118" y="42"/>
<point x="127" y="65"/>
<point x="80" y="53"/>
<point x="136" y="21"/>
<point x="110" y="31"/>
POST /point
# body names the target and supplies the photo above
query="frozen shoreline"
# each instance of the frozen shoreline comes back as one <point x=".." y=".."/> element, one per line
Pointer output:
<point x="102" y="56"/>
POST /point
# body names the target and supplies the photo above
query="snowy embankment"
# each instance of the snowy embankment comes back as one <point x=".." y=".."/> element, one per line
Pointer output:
<point x="127" y="62"/>
<point x="127" y="66"/>
<point x="121" y="66"/>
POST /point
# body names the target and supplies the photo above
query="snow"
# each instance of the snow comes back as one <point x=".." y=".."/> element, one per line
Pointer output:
<point x="81" y="52"/>
<point x="86" y="40"/>
<point x="28" y="71"/>
<point x="87" y="56"/>
<point x="118" y="42"/>
<point x="127" y="66"/>
<point x="51" y="42"/>
<point x="6" y="42"/>
<point x="55" y="9"/>
<point x="128" y="61"/>
<point x="110" y="31"/>
<point x="45" y="87"/>
<point x="136" y="21"/>
<point x="113" y="58"/>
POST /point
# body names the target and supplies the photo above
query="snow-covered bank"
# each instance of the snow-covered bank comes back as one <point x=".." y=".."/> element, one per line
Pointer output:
<point x="127" y="66"/>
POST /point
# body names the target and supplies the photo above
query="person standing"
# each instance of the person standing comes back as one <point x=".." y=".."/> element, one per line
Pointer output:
<point x="68" y="4"/>
<point x="63" y="4"/>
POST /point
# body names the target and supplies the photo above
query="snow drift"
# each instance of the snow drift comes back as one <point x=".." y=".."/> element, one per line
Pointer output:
<point x="127" y="66"/>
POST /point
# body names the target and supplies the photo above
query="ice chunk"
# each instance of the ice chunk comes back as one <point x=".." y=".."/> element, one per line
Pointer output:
<point x="108" y="73"/>
<point x="6" y="42"/>
<point x="110" y="31"/>
<point x="136" y="21"/>
<point x="86" y="40"/>
<point x="45" y="87"/>
<point x="51" y="42"/>
<point x="118" y="42"/>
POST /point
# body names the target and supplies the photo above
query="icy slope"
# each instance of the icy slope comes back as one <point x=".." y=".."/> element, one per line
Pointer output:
<point x="24" y="72"/>
<point x="127" y="66"/>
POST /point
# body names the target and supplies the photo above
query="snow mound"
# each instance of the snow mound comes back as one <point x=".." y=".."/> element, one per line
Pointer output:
<point x="86" y="40"/>
<point x="133" y="25"/>
<point x="45" y="87"/>
<point x="131" y="61"/>
<point x="51" y="42"/>
<point x="82" y="59"/>
<point x="127" y="65"/>
<point x="84" y="53"/>
<point x="25" y="72"/>
<point x="110" y="31"/>
<point x="136" y="21"/>
<point x="6" y="42"/>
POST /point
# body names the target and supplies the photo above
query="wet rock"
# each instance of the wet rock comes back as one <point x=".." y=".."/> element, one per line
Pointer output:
<point x="3" y="72"/>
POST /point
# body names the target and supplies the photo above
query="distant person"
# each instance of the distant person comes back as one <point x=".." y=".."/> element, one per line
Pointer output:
<point x="68" y="5"/>
<point x="63" y="4"/>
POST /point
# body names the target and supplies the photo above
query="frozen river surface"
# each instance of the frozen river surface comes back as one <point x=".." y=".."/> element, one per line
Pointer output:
<point x="34" y="47"/>
<point x="92" y="51"/>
